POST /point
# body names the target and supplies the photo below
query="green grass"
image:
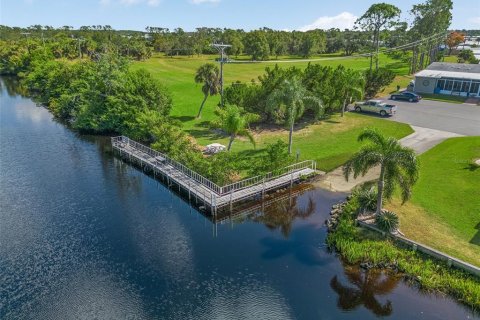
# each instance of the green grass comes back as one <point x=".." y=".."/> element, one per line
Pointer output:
<point x="358" y="245"/>
<point x="451" y="59"/>
<point x="177" y="74"/>
<point x="329" y="142"/>
<point x="445" y="207"/>
<point x="444" y="98"/>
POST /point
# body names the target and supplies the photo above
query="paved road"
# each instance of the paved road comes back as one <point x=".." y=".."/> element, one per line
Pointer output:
<point x="451" y="117"/>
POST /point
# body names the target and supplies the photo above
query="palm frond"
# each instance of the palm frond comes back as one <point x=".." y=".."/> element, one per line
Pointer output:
<point x="372" y="135"/>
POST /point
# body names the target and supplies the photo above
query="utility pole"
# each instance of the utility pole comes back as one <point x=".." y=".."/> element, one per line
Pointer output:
<point x="221" y="49"/>
<point x="26" y="34"/>
<point x="79" y="48"/>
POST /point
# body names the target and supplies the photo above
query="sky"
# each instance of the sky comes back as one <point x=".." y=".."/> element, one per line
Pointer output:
<point x="190" y="14"/>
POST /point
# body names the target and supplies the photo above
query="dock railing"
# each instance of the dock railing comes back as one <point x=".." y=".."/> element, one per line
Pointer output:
<point x="219" y="190"/>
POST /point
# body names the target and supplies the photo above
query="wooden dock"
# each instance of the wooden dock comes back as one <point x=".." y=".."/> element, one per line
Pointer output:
<point x="199" y="187"/>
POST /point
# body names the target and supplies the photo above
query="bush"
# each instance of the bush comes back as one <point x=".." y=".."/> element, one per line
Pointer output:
<point x="387" y="221"/>
<point x="377" y="80"/>
<point x="367" y="199"/>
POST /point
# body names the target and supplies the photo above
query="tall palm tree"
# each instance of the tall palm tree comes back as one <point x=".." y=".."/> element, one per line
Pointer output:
<point x="398" y="165"/>
<point x="235" y="122"/>
<point x="208" y="75"/>
<point x="288" y="100"/>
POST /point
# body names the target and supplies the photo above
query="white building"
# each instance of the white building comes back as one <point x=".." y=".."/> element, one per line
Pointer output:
<point x="459" y="79"/>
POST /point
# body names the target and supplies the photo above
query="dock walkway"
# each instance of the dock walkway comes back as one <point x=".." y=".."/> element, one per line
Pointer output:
<point x="201" y="188"/>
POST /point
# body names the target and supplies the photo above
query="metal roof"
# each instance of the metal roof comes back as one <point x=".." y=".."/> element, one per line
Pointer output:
<point x="455" y="67"/>
<point x="447" y="74"/>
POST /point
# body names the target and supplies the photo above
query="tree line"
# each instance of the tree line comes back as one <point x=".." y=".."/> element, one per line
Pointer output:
<point x="379" y="26"/>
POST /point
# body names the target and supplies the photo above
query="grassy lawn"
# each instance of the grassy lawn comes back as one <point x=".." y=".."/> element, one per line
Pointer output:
<point x="400" y="80"/>
<point x="330" y="142"/>
<point x="444" y="98"/>
<point x="444" y="212"/>
<point x="177" y="74"/>
<point x="451" y="59"/>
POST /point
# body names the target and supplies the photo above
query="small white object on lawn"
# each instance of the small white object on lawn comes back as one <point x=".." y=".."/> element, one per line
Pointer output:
<point x="214" y="148"/>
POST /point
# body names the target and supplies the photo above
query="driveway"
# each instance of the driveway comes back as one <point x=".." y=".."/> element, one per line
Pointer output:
<point x="463" y="119"/>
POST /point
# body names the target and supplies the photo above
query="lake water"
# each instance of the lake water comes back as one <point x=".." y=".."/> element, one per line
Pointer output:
<point x="85" y="236"/>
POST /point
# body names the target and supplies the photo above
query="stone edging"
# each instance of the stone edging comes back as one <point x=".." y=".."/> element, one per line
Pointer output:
<point x="451" y="261"/>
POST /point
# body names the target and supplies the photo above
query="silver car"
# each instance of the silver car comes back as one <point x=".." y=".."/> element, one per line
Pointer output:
<point x="377" y="106"/>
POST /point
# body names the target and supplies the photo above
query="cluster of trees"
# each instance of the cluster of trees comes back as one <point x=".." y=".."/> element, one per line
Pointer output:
<point x="16" y="44"/>
<point x="378" y="27"/>
<point x="259" y="44"/>
<point x="104" y="96"/>
<point x="285" y="95"/>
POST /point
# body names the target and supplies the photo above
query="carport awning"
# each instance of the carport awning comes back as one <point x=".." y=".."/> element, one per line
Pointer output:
<point x="448" y="74"/>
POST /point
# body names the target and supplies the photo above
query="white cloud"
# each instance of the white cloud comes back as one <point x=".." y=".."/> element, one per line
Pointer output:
<point x="204" y="1"/>
<point x="474" y="20"/>
<point x="152" y="3"/>
<point x="344" y="20"/>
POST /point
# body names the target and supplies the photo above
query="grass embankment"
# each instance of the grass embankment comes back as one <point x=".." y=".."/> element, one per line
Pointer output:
<point x="329" y="142"/>
<point x="444" y="212"/>
<point x="358" y="245"/>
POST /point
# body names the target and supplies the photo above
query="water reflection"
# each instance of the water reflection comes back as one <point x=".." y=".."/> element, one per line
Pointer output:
<point x="11" y="85"/>
<point x="282" y="213"/>
<point x="299" y="245"/>
<point x="364" y="289"/>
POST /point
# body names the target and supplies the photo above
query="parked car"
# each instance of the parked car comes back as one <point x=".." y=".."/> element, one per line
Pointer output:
<point x="407" y="96"/>
<point x="377" y="106"/>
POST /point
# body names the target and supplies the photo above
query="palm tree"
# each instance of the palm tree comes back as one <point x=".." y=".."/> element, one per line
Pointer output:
<point x="398" y="165"/>
<point x="235" y="122"/>
<point x="209" y="75"/>
<point x="288" y="100"/>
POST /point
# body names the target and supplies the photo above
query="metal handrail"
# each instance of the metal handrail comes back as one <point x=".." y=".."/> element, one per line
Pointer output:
<point x="208" y="183"/>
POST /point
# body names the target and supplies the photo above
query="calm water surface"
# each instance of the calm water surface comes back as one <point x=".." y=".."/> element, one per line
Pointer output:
<point x="85" y="236"/>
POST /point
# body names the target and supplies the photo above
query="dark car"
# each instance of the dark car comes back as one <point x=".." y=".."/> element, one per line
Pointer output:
<point x="407" y="96"/>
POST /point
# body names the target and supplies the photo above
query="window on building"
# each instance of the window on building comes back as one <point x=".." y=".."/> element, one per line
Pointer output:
<point x="441" y="84"/>
<point x="449" y="85"/>
<point x="465" y="86"/>
<point x="474" y="87"/>
<point x="456" y="85"/>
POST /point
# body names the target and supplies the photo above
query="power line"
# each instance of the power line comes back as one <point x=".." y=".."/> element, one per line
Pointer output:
<point x="405" y="46"/>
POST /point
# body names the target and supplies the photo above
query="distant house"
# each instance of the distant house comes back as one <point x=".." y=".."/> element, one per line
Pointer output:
<point x="449" y="78"/>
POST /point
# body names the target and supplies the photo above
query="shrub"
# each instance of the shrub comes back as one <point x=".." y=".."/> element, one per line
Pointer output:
<point x="377" y="80"/>
<point x="367" y="199"/>
<point x="387" y="221"/>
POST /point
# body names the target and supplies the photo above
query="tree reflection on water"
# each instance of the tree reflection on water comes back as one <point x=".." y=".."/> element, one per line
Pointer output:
<point x="281" y="214"/>
<point x="367" y="284"/>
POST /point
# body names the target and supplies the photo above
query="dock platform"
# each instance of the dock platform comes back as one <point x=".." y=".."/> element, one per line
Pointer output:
<point x="201" y="188"/>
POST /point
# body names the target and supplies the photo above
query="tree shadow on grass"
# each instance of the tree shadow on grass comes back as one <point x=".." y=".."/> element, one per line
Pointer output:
<point x="183" y="118"/>
<point x="397" y="67"/>
<point x="476" y="238"/>
<point x="472" y="167"/>
<point x="208" y="134"/>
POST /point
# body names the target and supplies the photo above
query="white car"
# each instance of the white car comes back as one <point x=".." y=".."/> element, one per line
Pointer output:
<point x="377" y="106"/>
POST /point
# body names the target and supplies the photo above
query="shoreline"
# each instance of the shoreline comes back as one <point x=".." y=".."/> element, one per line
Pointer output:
<point x="370" y="250"/>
